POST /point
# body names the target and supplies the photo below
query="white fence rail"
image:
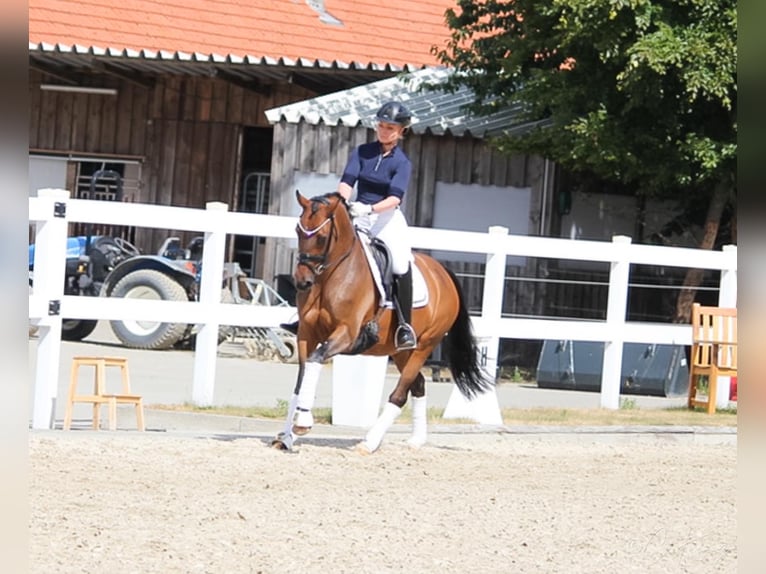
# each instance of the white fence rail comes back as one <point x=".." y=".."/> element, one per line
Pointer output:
<point x="52" y="210"/>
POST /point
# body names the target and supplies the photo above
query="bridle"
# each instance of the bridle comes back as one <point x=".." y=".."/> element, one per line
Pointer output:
<point x="318" y="264"/>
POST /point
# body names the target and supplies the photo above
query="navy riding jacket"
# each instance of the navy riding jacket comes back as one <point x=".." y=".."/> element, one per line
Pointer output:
<point x="377" y="176"/>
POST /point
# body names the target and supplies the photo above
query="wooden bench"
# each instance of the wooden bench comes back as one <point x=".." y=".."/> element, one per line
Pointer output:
<point x="100" y="395"/>
<point x="714" y="352"/>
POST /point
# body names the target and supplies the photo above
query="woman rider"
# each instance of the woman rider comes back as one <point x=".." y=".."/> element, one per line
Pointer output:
<point x="381" y="171"/>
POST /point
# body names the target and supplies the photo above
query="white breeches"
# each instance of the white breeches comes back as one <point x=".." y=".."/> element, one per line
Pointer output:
<point x="391" y="228"/>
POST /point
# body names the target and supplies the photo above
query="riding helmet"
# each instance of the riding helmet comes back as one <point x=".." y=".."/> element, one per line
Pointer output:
<point x="394" y="113"/>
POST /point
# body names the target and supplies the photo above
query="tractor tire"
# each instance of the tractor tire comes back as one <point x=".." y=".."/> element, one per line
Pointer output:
<point x="77" y="329"/>
<point x="149" y="284"/>
<point x="291" y="342"/>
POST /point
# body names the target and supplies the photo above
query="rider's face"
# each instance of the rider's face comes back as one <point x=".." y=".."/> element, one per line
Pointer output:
<point x="389" y="133"/>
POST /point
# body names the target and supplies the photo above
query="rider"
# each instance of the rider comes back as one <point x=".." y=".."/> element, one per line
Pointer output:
<point x="381" y="170"/>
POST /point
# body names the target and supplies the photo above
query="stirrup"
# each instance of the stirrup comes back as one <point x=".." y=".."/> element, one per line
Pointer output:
<point x="405" y="337"/>
<point x="290" y="327"/>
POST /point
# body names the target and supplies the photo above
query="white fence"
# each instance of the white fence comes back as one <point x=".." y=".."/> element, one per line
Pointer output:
<point x="52" y="210"/>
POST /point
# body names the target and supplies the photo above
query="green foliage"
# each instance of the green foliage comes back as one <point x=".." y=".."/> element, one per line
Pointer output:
<point x="641" y="93"/>
<point x="627" y="404"/>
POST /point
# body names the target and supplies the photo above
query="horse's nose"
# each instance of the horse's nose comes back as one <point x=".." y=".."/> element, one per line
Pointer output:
<point x="304" y="285"/>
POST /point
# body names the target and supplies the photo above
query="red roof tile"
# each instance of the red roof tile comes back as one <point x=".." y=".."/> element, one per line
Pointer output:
<point x="397" y="32"/>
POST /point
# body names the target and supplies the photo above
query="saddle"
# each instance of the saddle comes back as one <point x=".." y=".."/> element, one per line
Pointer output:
<point x="380" y="261"/>
<point x="382" y="257"/>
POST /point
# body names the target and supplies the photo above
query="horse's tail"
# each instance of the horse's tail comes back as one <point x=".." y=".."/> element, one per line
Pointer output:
<point x="462" y="352"/>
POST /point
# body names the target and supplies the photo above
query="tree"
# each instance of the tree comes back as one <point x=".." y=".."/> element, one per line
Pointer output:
<point x="639" y="93"/>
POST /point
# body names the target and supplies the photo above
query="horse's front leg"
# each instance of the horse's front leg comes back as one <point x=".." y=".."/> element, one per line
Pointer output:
<point x="299" y="418"/>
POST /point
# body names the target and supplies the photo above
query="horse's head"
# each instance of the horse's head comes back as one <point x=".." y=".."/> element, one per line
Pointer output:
<point x="323" y="222"/>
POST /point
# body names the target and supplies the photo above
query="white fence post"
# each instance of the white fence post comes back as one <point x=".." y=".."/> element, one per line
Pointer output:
<point x="727" y="297"/>
<point x="484" y="408"/>
<point x="727" y="294"/>
<point x="611" y="373"/>
<point x="48" y="289"/>
<point x="206" y="346"/>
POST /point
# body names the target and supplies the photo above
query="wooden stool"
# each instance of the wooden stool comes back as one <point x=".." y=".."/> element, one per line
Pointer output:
<point x="100" y="396"/>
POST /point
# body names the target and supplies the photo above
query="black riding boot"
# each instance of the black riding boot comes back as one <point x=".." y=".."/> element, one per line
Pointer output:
<point x="290" y="327"/>
<point x="405" y="337"/>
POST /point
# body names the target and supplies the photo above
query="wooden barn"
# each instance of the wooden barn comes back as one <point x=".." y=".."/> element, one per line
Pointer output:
<point x="173" y="108"/>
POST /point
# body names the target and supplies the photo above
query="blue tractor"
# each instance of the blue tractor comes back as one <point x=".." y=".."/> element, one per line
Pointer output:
<point x="113" y="267"/>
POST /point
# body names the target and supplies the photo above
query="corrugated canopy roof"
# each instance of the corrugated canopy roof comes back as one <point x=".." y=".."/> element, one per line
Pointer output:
<point x="435" y="112"/>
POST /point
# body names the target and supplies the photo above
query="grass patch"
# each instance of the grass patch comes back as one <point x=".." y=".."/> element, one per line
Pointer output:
<point x="627" y="414"/>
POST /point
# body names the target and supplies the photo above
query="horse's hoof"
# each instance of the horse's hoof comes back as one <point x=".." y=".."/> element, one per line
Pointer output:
<point x="278" y="444"/>
<point x="283" y="441"/>
<point x="301" y="431"/>
<point x="416" y="442"/>
<point x="363" y="449"/>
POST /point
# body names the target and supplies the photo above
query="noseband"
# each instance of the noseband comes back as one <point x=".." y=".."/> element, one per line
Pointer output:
<point x="318" y="264"/>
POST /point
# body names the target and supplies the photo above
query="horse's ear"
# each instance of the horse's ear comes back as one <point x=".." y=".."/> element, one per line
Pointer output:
<point x="301" y="200"/>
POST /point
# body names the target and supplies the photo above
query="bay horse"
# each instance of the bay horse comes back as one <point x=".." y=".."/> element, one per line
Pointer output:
<point x="340" y="312"/>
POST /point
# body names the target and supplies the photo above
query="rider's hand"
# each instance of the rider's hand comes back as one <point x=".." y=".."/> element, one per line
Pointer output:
<point x="358" y="209"/>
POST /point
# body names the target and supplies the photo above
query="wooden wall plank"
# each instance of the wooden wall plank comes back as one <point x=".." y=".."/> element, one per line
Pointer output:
<point x="204" y="101"/>
<point x="180" y="190"/>
<point x="167" y="157"/>
<point x="62" y="125"/>
<point x="215" y="161"/>
<point x="307" y="146"/>
<point x="187" y="103"/>
<point x="235" y="108"/>
<point x="34" y="108"/>
<point x="171" y="98"/>
<point x="517" y="172"/>
<point x="483" y="162"/>
<point x="446" y="160"/>
<point x="79" y="123"/>
<point x="252" y="108"/>
<point x="48" y="111"/>
<point x="140" y="122"/>
<point x="93" y="125"/>
<point x="108" y="136"/>
<point x="427" y="177"/>
<point x="124" y="118"/>
<point x="412" y="147"/>
<point x="219" y="104"/>
<point x="499" y="168"/>
<point x="324" y="144"/>
<point x="343" y="148"/>
<point x="463" y="159"/>
<point x="232" y="160"/>
<point x="198" y="191"/>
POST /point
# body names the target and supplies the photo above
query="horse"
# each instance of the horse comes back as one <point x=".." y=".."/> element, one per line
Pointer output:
<point x="340" y="312"/>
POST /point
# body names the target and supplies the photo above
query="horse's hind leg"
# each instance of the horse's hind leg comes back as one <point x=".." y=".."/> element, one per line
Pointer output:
<point x="409" y="364"/>
<point x="419" y="434"/>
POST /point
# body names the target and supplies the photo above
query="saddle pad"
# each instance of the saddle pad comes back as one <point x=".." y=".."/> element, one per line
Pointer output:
<point x="419" y="288"/>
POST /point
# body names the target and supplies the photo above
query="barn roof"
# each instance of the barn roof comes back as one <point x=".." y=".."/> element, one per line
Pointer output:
<point x="185" y="36"/>
<point x="435" y="112"/>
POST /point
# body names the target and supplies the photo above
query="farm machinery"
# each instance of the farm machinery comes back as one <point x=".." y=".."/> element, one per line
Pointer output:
<point x="112" y="267"/>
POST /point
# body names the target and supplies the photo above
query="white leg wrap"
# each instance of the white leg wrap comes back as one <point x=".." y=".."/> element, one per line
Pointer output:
<point x="385" y="420"/>
<point x="419" y="422"/>
<point x="287" y="436"/>
<point x="309" y="382"/>
<point x="304" y="419"/>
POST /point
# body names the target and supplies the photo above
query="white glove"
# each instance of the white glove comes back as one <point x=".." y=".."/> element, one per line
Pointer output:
<point x="358" y="209"/>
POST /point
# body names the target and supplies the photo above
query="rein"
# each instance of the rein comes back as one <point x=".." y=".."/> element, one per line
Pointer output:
<point x="308" y="260"/>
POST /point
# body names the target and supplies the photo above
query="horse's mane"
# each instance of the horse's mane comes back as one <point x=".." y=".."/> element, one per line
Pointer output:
<point x="325" y="198"/>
